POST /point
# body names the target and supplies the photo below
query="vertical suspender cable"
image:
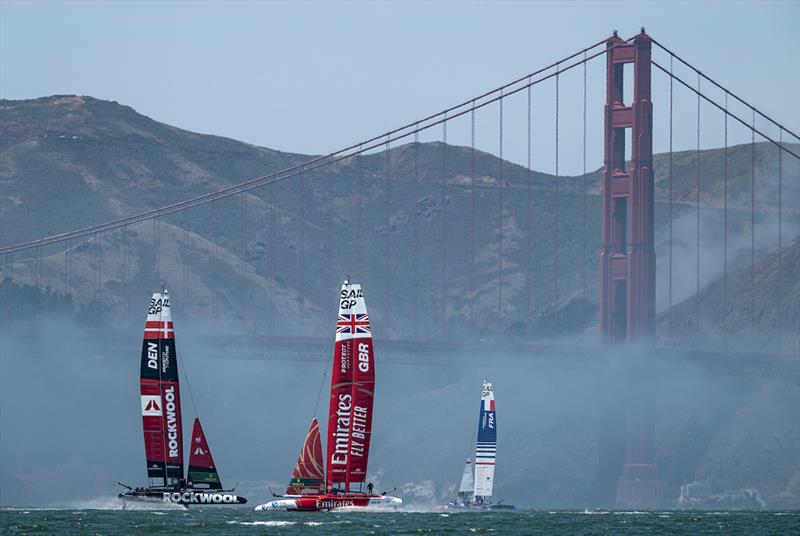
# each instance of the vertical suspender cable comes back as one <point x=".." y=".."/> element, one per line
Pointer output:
<point x="360" y="242"/>
<point x="156" y="248"/>
<point x="583" y="189"/>
<point x="272" y="248"/>
<point x="780" y="233"/>
<point x="555" y="217"/>
<point x="301" y="290"/>
<point x="212" y="287"/>
<point x="415" y="223"/>
<point x="37" y="266"/>
<point x="387" y="257"/>
<point x="331" y="225"/>
<point x="528" y="223"/>
<point x="472" y="223"/>
<point x="66" y="268"/>
<point x="444" y="227"/>
<point x="185" y="265"/>
<point x="500" y="225"/>
<point x="669" y="211"/>
<point x="245" y="294"/>
<point x="128" y="275"/>
<point x="752" y="223"/>
<point x="725" y="227"/>
<point x="697" y="203"/>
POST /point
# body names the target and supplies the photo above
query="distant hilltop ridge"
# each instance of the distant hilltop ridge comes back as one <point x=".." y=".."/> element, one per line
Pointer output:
<point x="74" y="161"/>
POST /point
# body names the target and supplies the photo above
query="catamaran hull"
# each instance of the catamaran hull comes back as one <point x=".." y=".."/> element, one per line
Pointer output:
<point x="316" y="503"/>
<point x="472" y="506"/>
<point x="183" y="498"/>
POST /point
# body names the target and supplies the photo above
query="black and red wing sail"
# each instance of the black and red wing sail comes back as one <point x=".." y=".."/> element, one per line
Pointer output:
<point x="160" y="395"/>
<point x="202" y="471"/>
<point x="308" y="474"/>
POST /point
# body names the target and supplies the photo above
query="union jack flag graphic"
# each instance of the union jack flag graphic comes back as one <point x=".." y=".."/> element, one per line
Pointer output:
<point x="353" y="324"/>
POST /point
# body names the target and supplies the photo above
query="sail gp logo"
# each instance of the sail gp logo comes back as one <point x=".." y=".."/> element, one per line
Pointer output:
<point x="151" y="406"/>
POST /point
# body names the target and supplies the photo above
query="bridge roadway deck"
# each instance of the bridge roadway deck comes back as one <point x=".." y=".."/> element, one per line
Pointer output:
<point x="548" y="355"/>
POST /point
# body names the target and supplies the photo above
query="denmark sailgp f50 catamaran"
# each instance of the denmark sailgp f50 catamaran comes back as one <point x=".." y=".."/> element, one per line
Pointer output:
<point x="161" y="420"/>
<point x="475" y="490"/>
<point x="311" y="488"/>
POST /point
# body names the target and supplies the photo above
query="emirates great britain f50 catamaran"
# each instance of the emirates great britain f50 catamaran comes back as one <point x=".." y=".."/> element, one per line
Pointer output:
<point x="349" y="424"/>
<point x="163" y="432"/>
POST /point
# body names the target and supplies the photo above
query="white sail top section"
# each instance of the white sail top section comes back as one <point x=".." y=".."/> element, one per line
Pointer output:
<point x="353" y="321"/>
<point x="466" y="479"/>
<point x="159" y="317"/>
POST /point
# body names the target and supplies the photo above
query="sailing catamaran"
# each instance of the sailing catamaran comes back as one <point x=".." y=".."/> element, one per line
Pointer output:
<point x="311" y="488"/>
<point x="475" y="489"/>
<point x="161" y="420"/>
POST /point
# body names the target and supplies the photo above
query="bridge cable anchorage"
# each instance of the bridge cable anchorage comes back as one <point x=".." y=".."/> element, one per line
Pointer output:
<point x="746" y="124"/>
<point x="724" y="89"/>
<point x="752" y="226"/>
<point x="555" y="217"/>
<point x="725" y="228"/>
<point x="317" y="162"/>
<point x="472" y="223"/>
<point x="697" y="199"/>
<point x="443" y="305"/>
<point x="669" y="212"/>
<point x="500" y="225"/>
<point x="528" y="223"/>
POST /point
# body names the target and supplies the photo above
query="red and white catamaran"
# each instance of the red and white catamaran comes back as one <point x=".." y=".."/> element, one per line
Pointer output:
<point x="311" y="488"/>
<point x="161" y="420"/>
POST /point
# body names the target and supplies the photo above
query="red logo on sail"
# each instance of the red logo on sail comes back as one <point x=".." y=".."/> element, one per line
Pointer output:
<point x="151" y="405"/>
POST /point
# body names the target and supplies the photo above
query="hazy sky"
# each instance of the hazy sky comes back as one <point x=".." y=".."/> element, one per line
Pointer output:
<point x="315" y="76"/>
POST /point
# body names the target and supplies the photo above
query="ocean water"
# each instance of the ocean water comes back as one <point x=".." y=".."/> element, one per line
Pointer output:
<point x="244" y="521"/>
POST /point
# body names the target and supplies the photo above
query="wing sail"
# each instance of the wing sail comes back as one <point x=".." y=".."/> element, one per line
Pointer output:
<point x="486" y="448"/>
<point x="160" y="394"/>
<point x="352" y="391"/>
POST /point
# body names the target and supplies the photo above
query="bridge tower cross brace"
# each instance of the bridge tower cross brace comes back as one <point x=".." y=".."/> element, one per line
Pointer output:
<point x="627" y="256"/>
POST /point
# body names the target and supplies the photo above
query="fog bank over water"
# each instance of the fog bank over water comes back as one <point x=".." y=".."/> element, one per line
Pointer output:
<point x="72" y="427"/>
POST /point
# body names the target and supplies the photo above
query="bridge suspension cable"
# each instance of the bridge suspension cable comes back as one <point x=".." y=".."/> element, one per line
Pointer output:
<point x="722" y="108"/>
<point x="354" y="150"/>
<point x="724" y="89"/>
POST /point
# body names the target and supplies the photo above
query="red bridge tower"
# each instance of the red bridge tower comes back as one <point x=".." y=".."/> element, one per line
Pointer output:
<point x="627" y="256"/>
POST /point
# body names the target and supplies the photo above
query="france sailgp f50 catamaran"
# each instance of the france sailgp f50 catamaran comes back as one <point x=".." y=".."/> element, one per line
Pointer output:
<point x="311" y="487"/>
<point x="475" y="490"/>
<point x="161" y="420"/>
